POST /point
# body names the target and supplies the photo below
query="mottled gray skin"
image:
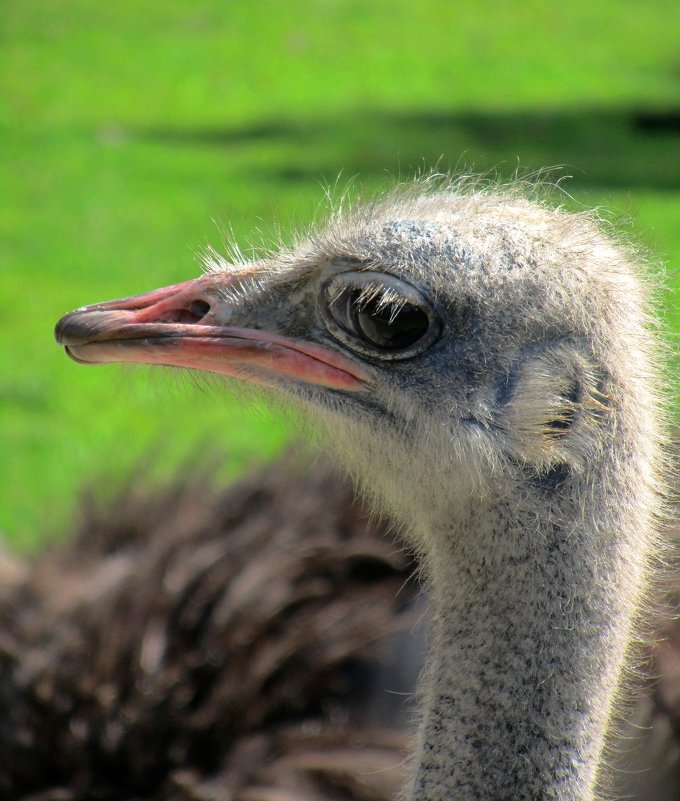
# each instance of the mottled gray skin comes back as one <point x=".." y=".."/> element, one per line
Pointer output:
<point x="520" y="453"/>
<point x="534" y="534"/>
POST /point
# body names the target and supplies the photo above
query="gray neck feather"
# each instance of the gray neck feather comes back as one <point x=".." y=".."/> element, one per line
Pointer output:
<point x="531" y="621"/>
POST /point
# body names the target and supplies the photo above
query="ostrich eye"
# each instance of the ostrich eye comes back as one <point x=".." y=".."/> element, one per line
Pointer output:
<point x="389" y="326"/>
<point x="379" y="315"/>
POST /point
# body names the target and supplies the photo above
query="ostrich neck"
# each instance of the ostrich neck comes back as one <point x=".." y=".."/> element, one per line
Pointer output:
<point x="531" y="622"/>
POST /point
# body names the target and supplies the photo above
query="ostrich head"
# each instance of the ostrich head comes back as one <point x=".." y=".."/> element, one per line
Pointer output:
<point x="484" y="368"/>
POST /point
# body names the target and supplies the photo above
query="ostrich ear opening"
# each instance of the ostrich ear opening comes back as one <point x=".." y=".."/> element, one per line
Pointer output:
<point x="558" y="410"/>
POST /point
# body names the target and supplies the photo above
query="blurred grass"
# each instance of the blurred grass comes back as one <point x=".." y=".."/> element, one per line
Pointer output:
<point x="126" y="129"/>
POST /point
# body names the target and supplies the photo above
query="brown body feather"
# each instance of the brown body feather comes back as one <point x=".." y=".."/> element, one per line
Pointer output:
<point x="195" y="644"/>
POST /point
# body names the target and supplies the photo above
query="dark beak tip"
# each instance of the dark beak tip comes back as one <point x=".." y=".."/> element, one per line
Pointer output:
<point x="76" y="328"/>
<point x="65" y="331"/>
<point x="59" y="329"/>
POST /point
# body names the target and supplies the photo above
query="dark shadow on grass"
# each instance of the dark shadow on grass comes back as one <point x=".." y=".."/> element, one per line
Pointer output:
<point x="659" y="121"/>
<point x="612" y="147"/>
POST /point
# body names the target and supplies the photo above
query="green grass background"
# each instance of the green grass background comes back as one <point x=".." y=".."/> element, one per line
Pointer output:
<point x="127" y="129"/>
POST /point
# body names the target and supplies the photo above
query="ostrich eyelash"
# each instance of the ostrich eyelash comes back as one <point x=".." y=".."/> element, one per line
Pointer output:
<point x="384" y="297"/>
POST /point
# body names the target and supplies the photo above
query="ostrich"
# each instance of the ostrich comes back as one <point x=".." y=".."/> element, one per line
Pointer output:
<point x="486" y="370"/>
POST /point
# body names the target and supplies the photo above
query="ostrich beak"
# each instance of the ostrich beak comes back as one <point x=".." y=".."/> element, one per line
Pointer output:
<point x="187" y="325"/>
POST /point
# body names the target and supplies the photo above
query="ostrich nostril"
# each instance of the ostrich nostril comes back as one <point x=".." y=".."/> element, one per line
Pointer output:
<point x="191" y="314"/>
<point x="200" y="309"/>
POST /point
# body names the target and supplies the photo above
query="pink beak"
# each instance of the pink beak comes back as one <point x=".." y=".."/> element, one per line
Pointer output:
<point x="183" y="326"/>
